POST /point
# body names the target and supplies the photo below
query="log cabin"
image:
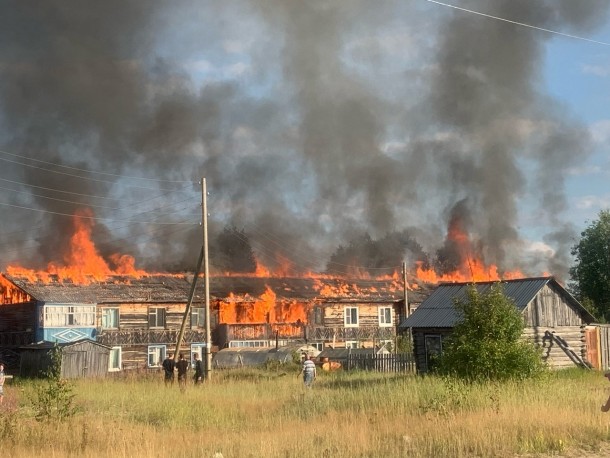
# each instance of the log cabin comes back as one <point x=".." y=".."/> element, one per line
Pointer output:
<point x="553" y="319"/>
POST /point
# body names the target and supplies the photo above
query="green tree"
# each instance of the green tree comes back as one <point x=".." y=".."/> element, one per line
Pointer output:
<point x="591" y="273"/>
<point x="488" y="344"/>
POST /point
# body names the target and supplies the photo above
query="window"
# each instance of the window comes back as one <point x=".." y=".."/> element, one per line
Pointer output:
<point x="114" y="361"/>
<point x="351" y="344"/>
<point x="156" y="317"/>
<point x="110" y="318"/>
<point x="69" y="316"/>
<point x="198" y="348"/>
<point x="318" y="315"/>
<point x="198" y="317"/>
<point x="351" y="316"/>
<point x="317" y="345"/>
<point x="385" y="316"/>
<point x="156" y="355"/>
<point x="248" y="343"/>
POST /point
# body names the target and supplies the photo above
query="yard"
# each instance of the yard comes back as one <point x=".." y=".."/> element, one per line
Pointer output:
<point x="268" y="413"/>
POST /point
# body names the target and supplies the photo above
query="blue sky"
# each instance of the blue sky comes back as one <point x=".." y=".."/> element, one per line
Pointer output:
<point x="577" y="73"/>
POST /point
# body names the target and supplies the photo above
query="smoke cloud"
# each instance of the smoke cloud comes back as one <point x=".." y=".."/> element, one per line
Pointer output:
<point x="318" y="125"/>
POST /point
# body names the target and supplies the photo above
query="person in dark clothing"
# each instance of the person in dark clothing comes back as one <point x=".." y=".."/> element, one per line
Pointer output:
<point x="182" y="365"/>
<point x="169" y="366"/>
<point x="198" y="369"/>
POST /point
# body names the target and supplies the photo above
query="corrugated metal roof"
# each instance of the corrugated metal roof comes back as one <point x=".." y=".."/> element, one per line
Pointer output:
<point x="438" y="310"/>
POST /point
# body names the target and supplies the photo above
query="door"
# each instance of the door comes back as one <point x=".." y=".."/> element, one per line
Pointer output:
<point x="592" y="342"/>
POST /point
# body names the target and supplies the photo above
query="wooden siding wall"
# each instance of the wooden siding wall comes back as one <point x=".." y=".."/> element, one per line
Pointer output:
<point x="549" y="309"/>
<point x="368" y="314"/>
<point x="134" y="336"/>
<point x="419" y="345"/>
<point x="552" y="353"/>
<point x="18" y="317"/>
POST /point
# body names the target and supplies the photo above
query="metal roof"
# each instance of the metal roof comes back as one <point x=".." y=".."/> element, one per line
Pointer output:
<point x="438" y="310"/>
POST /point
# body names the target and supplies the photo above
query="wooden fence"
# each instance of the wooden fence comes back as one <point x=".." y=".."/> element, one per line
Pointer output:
<point x="400" y="362"/>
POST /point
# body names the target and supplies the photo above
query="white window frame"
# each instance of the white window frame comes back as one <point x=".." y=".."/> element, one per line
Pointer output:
<point x="119" y="364"/>
<point x="158" y="352"/>
<point x="198" y="348"/>
<point x="248" y="343"/>
<point x="348" y="319"/>
<point x="353" y="344"/>
<point x="154" y="311"/>
<point x="317" y="345"/>
<point x="115" y="311"/>
<point x="383" y="321"/>
<point x="198" y="317"/>
<point x="69" y="316"/>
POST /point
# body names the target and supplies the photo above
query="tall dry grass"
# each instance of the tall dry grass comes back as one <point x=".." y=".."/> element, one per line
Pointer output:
<point x="252" y="413"/>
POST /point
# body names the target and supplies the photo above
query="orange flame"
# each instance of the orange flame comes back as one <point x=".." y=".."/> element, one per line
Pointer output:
<point x="471" y="267"/>
<point x="82" y="264"/>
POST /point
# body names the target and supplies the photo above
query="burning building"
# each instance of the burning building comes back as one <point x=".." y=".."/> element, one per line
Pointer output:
<point x="139" y="318"/>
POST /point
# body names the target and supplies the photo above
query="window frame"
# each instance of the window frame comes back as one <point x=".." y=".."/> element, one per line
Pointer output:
<point x="119" y="364"/>
<point x="347" y="313"/>
<point x="154" y="312"/>
<point x="69" y="316"/>
<point x="117" y="319"/>
<point x="353" y="344"/>
<point x="382" y="318"/>
<point x="162" y="352"/>
<point x="199" y="314"/>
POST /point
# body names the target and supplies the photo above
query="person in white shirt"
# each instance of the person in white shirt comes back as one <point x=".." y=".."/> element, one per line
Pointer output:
<point x="309" y="371"/>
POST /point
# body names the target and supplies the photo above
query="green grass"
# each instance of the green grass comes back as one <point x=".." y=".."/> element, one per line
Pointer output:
<point x="256" y="413"/>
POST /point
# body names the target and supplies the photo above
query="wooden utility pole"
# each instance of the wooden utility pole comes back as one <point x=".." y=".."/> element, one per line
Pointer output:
<point x="407" y="309"/>
<point x="206" y="274"/>
<point x="187" y="310"/>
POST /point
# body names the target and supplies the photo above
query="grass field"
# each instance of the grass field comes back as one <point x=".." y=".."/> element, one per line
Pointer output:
<point x="257" y="413"/>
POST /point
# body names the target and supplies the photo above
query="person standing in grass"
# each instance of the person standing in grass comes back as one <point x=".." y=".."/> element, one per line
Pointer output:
<point x="309" y="371"/>
<point x="198" y="369"/>
<point x="606" y="406"/>
<point x="168" y="369"/>
<point x="182" y="365"/>
<point x="2" y="379"/>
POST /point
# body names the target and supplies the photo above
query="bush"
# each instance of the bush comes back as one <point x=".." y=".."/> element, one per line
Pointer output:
<point x="488" y="344"/>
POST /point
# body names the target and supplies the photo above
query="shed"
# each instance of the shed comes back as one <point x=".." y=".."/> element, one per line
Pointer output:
<point x="84" y="358"/>
<point x="553" y="318"/>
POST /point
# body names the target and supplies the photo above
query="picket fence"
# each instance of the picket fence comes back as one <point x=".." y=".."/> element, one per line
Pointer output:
<point x="400" y="362"/>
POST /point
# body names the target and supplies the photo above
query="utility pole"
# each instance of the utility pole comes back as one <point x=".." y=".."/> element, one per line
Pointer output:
<point x="206" y="274"/>
<point x="407" y="309"/>
<point x="187" y="310"/>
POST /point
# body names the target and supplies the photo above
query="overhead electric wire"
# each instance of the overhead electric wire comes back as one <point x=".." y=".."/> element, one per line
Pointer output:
<point x="92" y="171"/>
<point x="498" y="18"/>
<point x="86" y="178"/>
<point x="87" y="217"/>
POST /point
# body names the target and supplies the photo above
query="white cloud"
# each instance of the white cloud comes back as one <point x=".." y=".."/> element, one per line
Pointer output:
<point x="596" y="70"/>
<point x="593" y="202"/>
<point x="600" y="131"/>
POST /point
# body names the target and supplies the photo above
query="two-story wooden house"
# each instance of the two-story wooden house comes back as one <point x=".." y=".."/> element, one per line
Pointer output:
<point x="139" y="318"/>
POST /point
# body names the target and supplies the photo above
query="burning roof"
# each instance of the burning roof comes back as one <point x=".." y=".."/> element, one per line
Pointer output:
<point x="175" y="288"/>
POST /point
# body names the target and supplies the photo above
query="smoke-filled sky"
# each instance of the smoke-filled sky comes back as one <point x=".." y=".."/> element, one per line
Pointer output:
<point x="316" y="124"/>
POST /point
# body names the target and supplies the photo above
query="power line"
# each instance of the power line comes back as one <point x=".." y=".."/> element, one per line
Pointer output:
<point x="90" y="171"/>
<point x="89" y="217"/>
<point x="519" y="23"/>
